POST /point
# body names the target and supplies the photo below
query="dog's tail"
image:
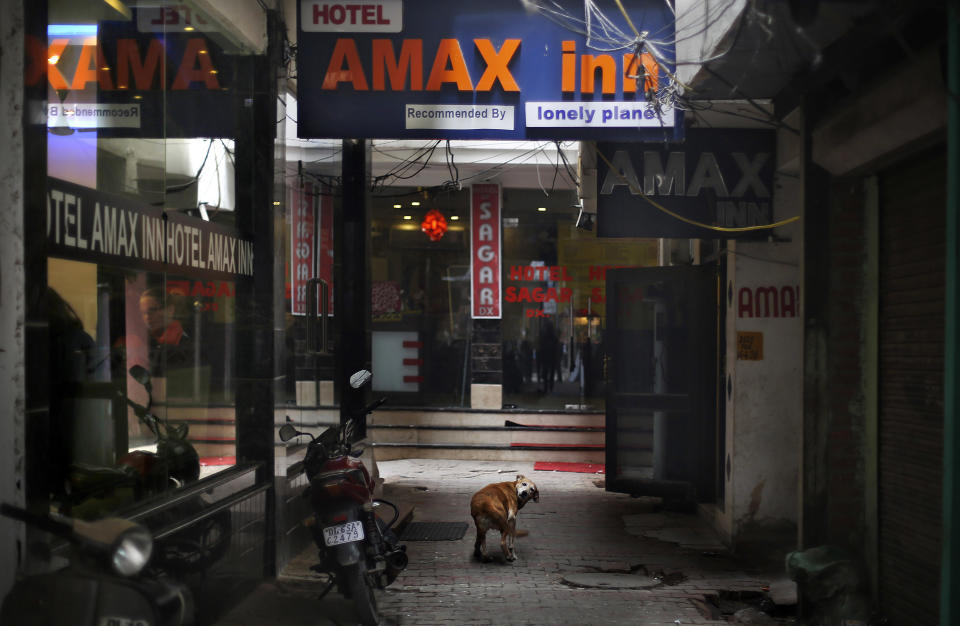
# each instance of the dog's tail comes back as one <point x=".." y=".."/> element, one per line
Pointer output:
<point x="522" y="533"/>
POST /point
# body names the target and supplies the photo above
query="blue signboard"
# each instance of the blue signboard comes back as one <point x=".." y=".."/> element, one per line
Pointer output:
<point x="500" y="69"/>
<point x="719" y="178"/>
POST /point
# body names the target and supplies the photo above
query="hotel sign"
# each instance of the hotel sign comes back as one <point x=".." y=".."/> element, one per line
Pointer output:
<point x="88" y="225"/>
<point x="715" y="178"/>
<point x="485" y="279"/>
<point x="410" y="68"/>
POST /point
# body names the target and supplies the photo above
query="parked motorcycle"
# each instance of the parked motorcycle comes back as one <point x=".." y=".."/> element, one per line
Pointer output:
<point x="105" y="581"/>
<point x="177" y="461"/>
<point x="142" y="473"/>
<point x="358" y="550"/>
<point x="138" y="473"/>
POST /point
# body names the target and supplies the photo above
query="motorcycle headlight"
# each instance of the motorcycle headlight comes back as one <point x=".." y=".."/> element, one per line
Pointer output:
<point x="125" y="544"/>
<point x="132" y="551"/>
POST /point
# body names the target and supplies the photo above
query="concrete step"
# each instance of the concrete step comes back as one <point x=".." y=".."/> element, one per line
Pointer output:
<point x="484" y="419"/>
<point x="478" y="435"/>
<point x="387" y="452"/>
<point x="196" y="413"/>
<point x="215" y="449"/>
<point x="407" y="514"/>
<point x="496" y="436"/>
<point x="214" y="430"/>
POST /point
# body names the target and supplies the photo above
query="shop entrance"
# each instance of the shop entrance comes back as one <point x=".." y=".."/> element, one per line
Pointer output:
<point x="663" y="415"/>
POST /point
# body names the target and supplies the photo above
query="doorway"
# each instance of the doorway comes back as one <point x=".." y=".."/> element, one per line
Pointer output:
<point x="662" y="413"/>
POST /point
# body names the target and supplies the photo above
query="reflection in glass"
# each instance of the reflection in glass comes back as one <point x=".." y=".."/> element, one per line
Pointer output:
<point x="140" y="385"/>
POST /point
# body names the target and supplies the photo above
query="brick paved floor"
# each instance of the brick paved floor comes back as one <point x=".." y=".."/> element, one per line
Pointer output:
<point x="577" y="527"/>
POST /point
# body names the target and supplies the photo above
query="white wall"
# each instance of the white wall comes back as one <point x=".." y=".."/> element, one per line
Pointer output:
<point x="765" y="403"/>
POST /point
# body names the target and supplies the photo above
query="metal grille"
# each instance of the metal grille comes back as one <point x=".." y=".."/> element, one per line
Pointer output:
<point x="246" y="553"/>
<point x="213" y="539"/>
<point x="293" y="536"/>
<point x="911" y="389"/>
<point x="434" y="531"/>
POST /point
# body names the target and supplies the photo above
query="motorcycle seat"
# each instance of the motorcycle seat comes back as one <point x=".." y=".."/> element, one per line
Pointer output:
<point x="86" y="477"/>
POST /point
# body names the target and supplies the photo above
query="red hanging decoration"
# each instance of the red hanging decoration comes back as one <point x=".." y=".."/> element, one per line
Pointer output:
<point x="434" y="224"/>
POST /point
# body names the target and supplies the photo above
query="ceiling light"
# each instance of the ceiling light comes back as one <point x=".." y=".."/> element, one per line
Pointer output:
<point x="414" y="203"/>
<point x="542" y="209"/>
<point x="397" y="206"/>
<point x="454" y="217"/>
<point x="408" y="217"/>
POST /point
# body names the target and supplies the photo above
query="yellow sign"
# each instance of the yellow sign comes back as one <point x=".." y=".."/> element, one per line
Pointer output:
<point x="587" y="259"/>
<point x="749" y="346"/>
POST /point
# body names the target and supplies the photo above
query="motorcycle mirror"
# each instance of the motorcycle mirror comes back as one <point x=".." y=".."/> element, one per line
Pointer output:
<point x="140" y="374"/>
<point x="359" y="379"/>
<point x="288" y="432"/>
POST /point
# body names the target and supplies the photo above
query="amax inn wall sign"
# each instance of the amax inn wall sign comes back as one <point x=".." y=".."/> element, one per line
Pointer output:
<point x="416" y="68"/>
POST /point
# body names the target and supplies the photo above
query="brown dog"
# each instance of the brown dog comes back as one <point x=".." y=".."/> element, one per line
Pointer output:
<point x="496" y="506"/>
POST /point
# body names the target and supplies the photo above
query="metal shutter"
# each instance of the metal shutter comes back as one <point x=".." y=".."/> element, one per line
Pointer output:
<point x="912" y="274"/>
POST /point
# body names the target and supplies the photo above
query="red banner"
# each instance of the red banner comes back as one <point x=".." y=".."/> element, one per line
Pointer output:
<point x="325" y="241"/>
<point x="302" y="238"/>
<point x="485" y="287"/>
<point x="311" y="244"/>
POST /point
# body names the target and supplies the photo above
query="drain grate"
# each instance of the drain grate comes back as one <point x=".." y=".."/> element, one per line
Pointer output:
<point x="434" y="531"/>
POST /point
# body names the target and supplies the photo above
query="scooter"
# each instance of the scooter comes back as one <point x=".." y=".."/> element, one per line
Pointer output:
<point x="358" y="550"/>
<point x="105" y="581"/>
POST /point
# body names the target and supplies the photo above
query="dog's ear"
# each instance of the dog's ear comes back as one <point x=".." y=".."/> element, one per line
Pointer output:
<point x="519" y="476"/>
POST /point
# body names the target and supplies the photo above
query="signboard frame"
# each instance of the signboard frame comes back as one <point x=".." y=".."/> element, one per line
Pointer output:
<point x="499" y="71"/>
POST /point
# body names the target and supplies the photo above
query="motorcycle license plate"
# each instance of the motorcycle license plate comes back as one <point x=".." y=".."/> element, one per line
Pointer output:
<point x="344" y="533"/>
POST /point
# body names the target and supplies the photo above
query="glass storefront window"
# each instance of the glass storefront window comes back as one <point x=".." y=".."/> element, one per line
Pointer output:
<point x="143" y="118"/>
<point x="141" y="383"/>
<point x="420" y="299"/>
<point x="553" y="300"/>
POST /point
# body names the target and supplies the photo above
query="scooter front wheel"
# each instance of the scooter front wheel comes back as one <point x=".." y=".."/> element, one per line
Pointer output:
<point x="361" y="591"/>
